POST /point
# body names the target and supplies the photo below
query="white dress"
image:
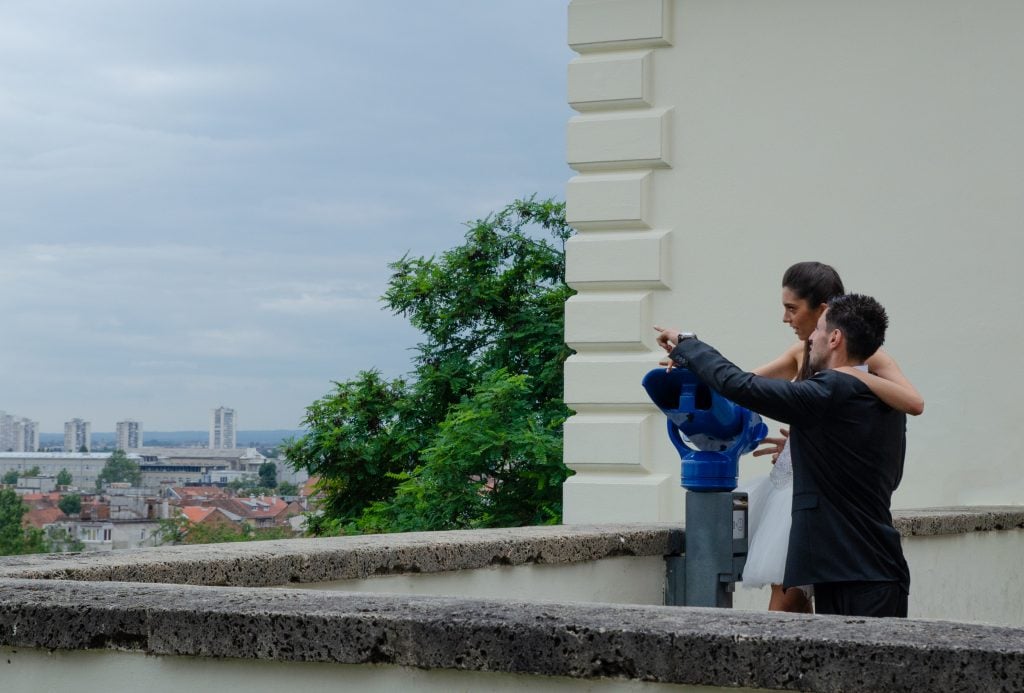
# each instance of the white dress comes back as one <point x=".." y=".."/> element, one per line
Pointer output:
<point x="769" y="516"/>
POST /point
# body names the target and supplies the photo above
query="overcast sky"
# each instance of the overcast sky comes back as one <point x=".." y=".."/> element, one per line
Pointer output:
<point x="199" y="199"/>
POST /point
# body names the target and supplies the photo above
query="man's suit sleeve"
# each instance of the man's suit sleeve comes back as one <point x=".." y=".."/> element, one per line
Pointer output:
<point x="800" y="402"/>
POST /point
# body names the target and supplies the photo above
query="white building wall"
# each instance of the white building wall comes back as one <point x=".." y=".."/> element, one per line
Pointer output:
<point x="718" y="142"/>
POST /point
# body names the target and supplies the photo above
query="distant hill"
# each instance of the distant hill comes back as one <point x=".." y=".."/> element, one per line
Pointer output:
<point x="182" y="438"/>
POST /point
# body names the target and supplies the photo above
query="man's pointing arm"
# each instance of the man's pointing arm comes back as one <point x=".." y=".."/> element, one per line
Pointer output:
<point x="777" y="399"/>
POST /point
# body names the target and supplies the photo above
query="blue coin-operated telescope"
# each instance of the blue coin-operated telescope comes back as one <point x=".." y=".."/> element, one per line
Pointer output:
<point x="719" y="431"/>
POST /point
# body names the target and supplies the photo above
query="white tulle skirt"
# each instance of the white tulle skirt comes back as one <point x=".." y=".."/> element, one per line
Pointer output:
<point x="769" y="517"/>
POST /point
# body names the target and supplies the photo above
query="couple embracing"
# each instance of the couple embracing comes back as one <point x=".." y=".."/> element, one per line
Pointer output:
<point x="820" y="522"/>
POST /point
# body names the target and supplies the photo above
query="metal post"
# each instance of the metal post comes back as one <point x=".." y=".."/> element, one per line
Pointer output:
<point x="716" y="549"/>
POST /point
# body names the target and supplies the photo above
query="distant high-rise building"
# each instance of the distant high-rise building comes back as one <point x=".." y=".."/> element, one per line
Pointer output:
<point x="26" y="436"/>
<point x="6" y="432"/>
<point x="18" y="434"/>
<point x="222" y="428"/>
<point x="129" y="434"/>
<point x="77" y="434"/>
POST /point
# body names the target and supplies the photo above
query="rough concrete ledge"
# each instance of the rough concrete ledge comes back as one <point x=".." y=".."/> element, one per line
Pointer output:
<point x="958" y="520"/>
<point x="664" y="644"/>
<point x="282" y="562"/>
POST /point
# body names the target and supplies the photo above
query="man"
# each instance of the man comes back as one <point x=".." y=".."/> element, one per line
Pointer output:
<point x="847" y="448"/>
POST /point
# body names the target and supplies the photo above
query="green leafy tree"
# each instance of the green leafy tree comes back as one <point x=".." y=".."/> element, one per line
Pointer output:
<point x="491" y="313"/>
<point x="248" y="486"/>
<point x="268" y="475"/>
<point x="356" y="444"/>
<point x="287" y="488"/>
<point x="119" y="468"/>
<point x="34" y="471"/>
<point x="182" y="531"/>
<point x="14" y="539"/>
<point x="64" y="478"/>
<point x="11" y="477"/>
<point x="496" y="462"/>
<point x="496" y="301"/>
<point x="83" y="448"/>
<point x="70" y="504"/>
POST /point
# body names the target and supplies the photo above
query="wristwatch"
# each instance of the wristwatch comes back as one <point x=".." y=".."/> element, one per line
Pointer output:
<point x="676" y="355"/>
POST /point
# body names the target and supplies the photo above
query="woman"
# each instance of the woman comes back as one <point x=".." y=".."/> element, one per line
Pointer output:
<point x="806" y="289"/>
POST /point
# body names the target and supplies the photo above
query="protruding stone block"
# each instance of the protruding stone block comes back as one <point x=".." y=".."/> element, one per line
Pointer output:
<point x="608" y="201"/>
<point x="618" y="260"/>
<point x="608" y="378"/>
<point x="621" y="498"/>
<point x="616" y="24"/>
<point x="621" y="80"/>
<point x="619" y="140"/>
<point x="609" y="320"/>
<point x="611" y="440"/>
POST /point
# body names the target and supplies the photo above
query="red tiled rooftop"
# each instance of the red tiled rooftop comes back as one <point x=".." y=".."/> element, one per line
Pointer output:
<point x="309" y="488"/>
<point x="53" y="497"/>
<point x="192" y="492"/>
<point x="256" y="508"/>
<point x="40" y="517"/>
<point x="196" y="514"/>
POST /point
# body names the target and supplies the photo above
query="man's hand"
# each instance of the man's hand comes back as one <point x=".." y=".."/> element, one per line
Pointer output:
<point x="773" y="446"/>
<point x="667" y="338"/>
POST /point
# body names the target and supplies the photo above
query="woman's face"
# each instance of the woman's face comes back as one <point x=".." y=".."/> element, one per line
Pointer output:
<point x="798" y="314"/>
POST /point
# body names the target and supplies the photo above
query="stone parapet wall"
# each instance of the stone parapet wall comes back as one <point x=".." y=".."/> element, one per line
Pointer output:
<point x="283" y="562"/>
<point x="693" y="646"/>
<point x="222" y="608"/>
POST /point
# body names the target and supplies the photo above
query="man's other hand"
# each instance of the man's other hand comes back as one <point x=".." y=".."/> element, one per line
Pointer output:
<point x="773" y="446"/>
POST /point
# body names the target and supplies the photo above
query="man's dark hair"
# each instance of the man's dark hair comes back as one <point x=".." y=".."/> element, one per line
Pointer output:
<point x="862" y="320"/>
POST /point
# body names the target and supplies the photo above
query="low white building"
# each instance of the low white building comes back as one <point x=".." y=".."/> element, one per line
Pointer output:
<point x="84" y="467"/>
<point x="36" y="484"/>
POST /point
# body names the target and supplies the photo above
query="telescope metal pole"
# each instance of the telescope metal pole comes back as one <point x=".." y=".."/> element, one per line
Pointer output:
<point x="715" y="550"/>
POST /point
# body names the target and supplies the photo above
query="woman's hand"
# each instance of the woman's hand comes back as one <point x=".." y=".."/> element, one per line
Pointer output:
<point x="773" y="446"/>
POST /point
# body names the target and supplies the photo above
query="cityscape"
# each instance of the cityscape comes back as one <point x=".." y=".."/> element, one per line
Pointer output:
<point x="130" y="494"/>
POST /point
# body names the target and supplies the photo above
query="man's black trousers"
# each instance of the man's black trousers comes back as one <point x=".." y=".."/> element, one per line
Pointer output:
<point x="860" y="599"/>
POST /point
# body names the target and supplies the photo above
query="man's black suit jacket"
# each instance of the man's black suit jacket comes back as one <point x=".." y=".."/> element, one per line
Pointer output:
<point x="847" y="449"/>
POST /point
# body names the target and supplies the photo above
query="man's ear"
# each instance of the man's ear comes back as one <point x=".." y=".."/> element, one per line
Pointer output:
<point x="835" y="338"/>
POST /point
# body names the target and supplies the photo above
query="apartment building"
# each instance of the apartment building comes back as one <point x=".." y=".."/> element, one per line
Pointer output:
<point x="223" y="429"/>
<point x="129" y="434"/>
<point x="77" y="434"/>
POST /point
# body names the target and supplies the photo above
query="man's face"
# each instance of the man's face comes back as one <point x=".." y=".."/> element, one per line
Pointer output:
<point x="819" y="345"/>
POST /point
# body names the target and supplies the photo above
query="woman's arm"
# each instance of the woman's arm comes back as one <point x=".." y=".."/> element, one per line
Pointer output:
<point x="785" y="367"/>
<point x="889" y="384"/>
